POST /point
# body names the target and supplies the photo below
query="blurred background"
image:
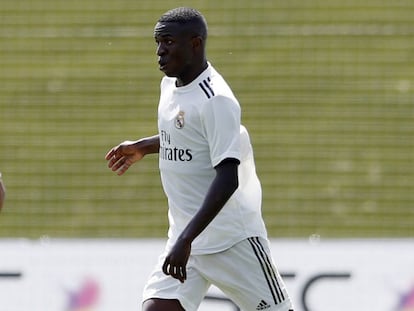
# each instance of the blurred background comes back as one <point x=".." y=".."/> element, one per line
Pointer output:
<point x="326" y="89"/>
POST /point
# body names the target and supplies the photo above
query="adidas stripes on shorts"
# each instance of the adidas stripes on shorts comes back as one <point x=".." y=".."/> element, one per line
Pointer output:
<point x="245" y="273"/>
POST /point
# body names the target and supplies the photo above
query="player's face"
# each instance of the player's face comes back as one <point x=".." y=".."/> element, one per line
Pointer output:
<point x="174" y="49"/>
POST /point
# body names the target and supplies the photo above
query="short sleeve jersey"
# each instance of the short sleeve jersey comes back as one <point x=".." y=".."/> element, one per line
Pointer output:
<point x="199" y="126"/>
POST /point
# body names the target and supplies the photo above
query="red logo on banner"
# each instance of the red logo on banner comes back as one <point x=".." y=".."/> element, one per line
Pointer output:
<point x="407" y="301"/>
<point x="85" y="297"/>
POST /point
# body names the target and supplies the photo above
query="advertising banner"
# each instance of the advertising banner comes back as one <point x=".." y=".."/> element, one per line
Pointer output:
<point x="109" y="275"/>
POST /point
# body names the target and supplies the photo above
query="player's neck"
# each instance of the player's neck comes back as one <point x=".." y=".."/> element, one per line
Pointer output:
<point x="191" y="74"/>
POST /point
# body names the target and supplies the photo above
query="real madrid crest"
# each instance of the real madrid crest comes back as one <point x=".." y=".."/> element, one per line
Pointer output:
<point x="179" y="120"/>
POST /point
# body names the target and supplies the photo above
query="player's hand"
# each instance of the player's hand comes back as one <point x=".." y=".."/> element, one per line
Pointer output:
<point x="176" y="261"/>
<point x="121" y="157"/>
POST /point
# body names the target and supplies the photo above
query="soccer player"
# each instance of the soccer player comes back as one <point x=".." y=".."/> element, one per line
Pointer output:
<point x="216" y="234"/>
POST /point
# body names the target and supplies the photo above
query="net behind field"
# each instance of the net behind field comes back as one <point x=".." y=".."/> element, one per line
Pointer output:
<point x="326" y="89"/>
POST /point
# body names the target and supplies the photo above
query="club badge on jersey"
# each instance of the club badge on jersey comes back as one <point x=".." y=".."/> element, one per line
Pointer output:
<point x="179" y="120"/>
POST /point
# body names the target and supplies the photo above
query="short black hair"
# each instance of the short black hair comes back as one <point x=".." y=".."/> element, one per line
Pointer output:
<point x="187" y="16"/>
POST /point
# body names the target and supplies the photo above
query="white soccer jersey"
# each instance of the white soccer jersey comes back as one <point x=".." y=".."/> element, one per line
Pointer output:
<point x="199" y="126"/>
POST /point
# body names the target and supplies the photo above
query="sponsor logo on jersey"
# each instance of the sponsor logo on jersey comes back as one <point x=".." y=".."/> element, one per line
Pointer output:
<point x="168" y="151"/>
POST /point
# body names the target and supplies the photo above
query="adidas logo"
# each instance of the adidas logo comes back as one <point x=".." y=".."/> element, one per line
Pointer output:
<point x="263" y="305"/>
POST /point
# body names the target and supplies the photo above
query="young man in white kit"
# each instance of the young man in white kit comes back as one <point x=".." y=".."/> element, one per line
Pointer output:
<point x="217" y="234"/>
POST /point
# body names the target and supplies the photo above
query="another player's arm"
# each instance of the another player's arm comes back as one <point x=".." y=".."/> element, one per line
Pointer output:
<point x="221" y="189"/>
<point x="121" y="157"/>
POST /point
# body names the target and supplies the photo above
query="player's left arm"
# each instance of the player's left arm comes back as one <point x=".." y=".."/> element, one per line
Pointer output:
<point x="221" y="189"/>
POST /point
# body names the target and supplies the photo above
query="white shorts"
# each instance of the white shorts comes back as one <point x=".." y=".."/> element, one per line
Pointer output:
<point x="245" y="273"/>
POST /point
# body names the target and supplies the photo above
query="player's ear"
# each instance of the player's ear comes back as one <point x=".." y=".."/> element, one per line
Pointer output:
<point x="197" y="42"/>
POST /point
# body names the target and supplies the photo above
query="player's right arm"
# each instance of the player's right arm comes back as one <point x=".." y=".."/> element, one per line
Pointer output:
<point x="121" y="157"/>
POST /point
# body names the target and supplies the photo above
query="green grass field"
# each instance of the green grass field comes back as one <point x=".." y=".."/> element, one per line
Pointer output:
<point x="326" y="88"/>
